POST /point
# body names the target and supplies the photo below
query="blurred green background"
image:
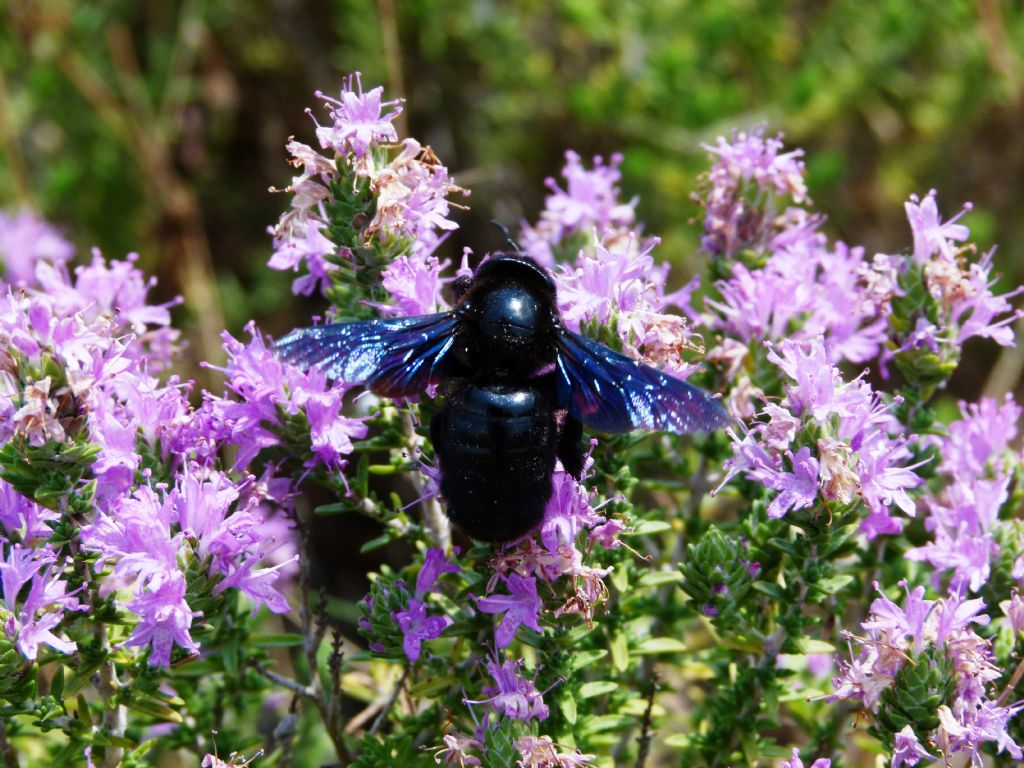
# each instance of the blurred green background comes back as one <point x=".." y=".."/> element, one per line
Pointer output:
<point x="158" y="126"/>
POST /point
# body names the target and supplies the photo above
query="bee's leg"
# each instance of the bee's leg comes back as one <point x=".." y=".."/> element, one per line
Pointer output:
<point x="570" y="447"/>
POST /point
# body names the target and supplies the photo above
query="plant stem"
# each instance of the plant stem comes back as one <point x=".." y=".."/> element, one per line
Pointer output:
<point x="390" y="702"/>
<point x="115" y="716"/>
<point x="433" y="516"/>
<point x="313" y="629"/>
<point x="7" y="753"/>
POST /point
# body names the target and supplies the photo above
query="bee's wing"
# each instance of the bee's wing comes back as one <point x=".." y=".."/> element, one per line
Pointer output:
<point x="395" y="357"/>
<point x="610" y="392"/>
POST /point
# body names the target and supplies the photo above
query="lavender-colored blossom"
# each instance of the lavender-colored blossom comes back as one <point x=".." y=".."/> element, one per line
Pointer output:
<point x="357" y="119"/>
<point x="731" y="222"/>
<point x="305" y="246"/>
<point x="232" y="541"/>
<point x="795" y="761"/>
<point x="542" y="752"/>
<point x="799" y="489"/>
<point x="417" y="627"/>
<point x="21" y="517"/>
<point x="589" y="202"/>
<point x="164" y="619"/>
<point x="899" y="636"/>
<point x="907" y="750"/>
<point x="414" y="282"/>
<point x="31" y="622"/>
<point x="26" y="240"/>
<point x="964" y="515"/>
<point x="512" y="696"/>
<point x="520" y="608"/>
<point x="412" y="195"/>
<point x="857" y="456"/>
<point x="435" y="565"/>
<point x="1013" y="609"/>
<point x="931" y="235"/>
<point x="264" y="385"/>
<point x="899" y="624"/>
<point x="330" y="432"/>
<point x="120" y="290"/>
<point x="455" y="752"/>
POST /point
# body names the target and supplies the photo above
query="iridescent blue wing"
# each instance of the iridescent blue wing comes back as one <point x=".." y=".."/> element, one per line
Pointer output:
<point x="395" y="357"/>
<point x="610" y="392"/>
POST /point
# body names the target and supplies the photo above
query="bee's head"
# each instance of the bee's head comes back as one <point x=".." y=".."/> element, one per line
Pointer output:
<point x="511" y="302"/>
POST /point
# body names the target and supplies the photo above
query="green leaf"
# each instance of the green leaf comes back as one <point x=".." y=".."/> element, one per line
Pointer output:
<point x="279" y="640"/>
<point x="568" y="705"/>
<point x="678" y="741"/>
<point x="601" y="723"/>
<point x="653" y="645"/>
<point x="229" y="653"/>
<point x="583" y="659"/>
<point x="619" y="647"/>
<point x="597" y="688"/>
<point x="57" y="684"/>
<point x="649" y="527"/>
<point x="834" y="584"/>
<point x="156" y="709"/>
<point x="381" y="541"/>
<point x="658" y="578"/>
<point x="809" y="645"/>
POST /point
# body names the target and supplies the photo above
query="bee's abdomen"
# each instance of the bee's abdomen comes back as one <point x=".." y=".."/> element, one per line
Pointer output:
<point x="496" y="447"/>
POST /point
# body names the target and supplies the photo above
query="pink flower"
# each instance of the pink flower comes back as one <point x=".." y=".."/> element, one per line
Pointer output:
<point x="519" y="608"/>
<point x="358" y="122"/>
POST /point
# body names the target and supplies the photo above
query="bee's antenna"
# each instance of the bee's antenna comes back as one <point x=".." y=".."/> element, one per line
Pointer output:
<point x="508" y="236"/>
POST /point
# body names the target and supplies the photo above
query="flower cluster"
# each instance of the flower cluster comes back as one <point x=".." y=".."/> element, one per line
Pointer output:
<point x="374" y="202"/>
<point x="827" y="441"/>
<point x="270" y="400"/>
<point x="605" y="272"/>
<point x="558" y="557"/>
<point x="925" y="674"/>
<point x="26" y="240"/>
<point x="977" y="464"/>
<point x="149" y="535"/>
<point x="78" y="362"/>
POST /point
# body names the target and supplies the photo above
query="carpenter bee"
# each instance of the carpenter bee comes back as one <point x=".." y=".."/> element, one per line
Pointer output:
<point x="519" y="387"/>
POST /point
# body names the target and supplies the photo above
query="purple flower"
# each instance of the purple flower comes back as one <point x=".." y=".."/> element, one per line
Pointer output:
<point x="357" y="119"/>
<point x="455" y="752"/>
<point x="795" y="761"/>
<point x="265" y="386"/>
<point x="435" y="565"/>
<point x="931" y="235"/>
<point x="542" y="752"/>
<point x="137" y="536"/>
<point x="21" y="517"/>
<point x="1013" y="609"/>
<point x="117" y="289"/>
<point x="414" y="282"/>
<point x="512" y="696"/>
<point x="233" y="542"/>
<point x="412" y="196"/>
<point x="590" y="202"/>
<point x="330" y="432"/>
<point x="31" y="623"/>
<point x="26" y="240"/>
<point x="519" y="608"/>
<point x="164" y="619"/>
<point x="907" y="750"/>
<point x="417" y="626"/>
<point x="304" y="244"/>
<point x="899" y="623"/>
<point x="799" y="489"/>
<point x="898" y="636"/>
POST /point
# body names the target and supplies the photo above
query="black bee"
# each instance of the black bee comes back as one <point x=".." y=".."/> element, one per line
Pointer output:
<point x="519" y="388"/>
